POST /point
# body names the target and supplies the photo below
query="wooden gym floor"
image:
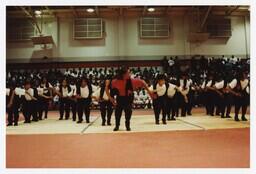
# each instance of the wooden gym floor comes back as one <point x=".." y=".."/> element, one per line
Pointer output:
<point x="192" y="141"/>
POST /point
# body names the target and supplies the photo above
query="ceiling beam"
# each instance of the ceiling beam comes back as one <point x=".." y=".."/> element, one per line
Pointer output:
<point x="97" y="11"/>
<point x="229" y="12"/>
<point x="74" y="11"/>
<point x="32" y="17"/>
<point x="144" y="10"/>
<point x="205" y="17"/>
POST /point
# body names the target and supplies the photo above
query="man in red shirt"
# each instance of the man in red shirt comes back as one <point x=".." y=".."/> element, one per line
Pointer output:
<point x="124" y="86"/>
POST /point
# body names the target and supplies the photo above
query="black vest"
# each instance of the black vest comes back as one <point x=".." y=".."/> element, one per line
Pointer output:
<point x="78" y="90"/>
<point x="167" y="86"/>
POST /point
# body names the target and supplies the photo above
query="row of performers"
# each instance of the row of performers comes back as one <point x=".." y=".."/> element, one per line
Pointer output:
<point x="168" y="98"/>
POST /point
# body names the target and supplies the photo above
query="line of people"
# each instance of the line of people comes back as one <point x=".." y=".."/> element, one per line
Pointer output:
<point x="169" y="95"/>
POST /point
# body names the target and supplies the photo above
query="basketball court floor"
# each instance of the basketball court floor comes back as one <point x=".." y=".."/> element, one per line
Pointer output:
<point x="196" y="141"/>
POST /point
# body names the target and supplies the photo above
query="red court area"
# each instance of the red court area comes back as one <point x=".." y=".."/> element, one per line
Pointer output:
<point x="212" y="148"/>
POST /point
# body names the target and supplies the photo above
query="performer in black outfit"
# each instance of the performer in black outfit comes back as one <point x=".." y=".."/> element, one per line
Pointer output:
<point x="106" y="107"/>
<point x="13" y="105"/>
<point x="30" y="103"/>
<point x="44" y="96"/>
<point x="64" y="92"/>
<point x="160" y="98"/>
<point x="124" y="86"/>
<point x="84" y="99"/>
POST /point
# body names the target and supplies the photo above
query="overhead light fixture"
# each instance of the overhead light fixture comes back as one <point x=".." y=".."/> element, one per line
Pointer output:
<point x="90" y="10"/>
<point x="151" y="9"/>
<point x="38" y="12"/>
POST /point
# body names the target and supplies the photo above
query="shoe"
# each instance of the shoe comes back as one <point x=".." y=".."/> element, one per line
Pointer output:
<point x="15" y="124"/>
<point x="40" y="119"/>
<point x="60" y="118"/>
<point x="80" y="121"/>
<point x="128" y="129"/>
<point x="87" y="121"/>
<point x="116" y="129"/>
<point x="189" y="114"/>
<point x="168" y="118"/>
<point x="173" y="118"/>
<point x="244" y="119"/>
<point x="228" y="116"/>
<point x="237" y="119"/>
<point x="222" y="116"/>
<point x="157" y="122"/>
<point x="9" y="124"/>
<point x="74" y="120"/>
<point x="45" y="117"/>
<point x="109" y="124"/>
<point x="66" y="118"/>
<point x="164" y="122"/>
<point x="103" y="124"/>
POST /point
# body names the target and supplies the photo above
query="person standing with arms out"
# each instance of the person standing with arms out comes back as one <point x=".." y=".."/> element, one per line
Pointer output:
<point x="106" y="107"/>
<point x="160" y="98"/>
<point x="124" y="86"/>
<point x="84" y="99"/>
<point x="64" y="92"/>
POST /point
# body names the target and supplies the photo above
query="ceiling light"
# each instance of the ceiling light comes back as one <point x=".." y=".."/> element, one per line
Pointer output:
<point x="38" y="12"/>
<point x="151" y="9"/>
<point x="90" y="10"/>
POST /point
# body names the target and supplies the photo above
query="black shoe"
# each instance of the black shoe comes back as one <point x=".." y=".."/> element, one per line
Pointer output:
<point x="10" y="124"/>
<point x="222" y="116"/>
<point x="183" y="115"/>
<point x="237" y="119"/>
<point x="66" y="118"/>
<point x="173" y="119"/>
<point x="40" y="119"/>
<point x="116" y="129"/>
<point x="74" y="119"/>
<point x="87" y="121"/>
<point x="244" y="119"/>
<point x="80" y="121"/>
<point x="164" y="122"/>
<point x="60" y="118"/>
<point x="103" y="124"/>
<point x="168" y="118"/>
<point x="157" y="122"/>
<point x="26" y="121"/>
<point x="189" y="114"/>
<point x="228" y="116"/>
<point x="128" y="129"/>
<point x="45" y="117"/>
<point x="15" y="124"/>
<point x="109" y="124"/>
<point x="35" y="120"/>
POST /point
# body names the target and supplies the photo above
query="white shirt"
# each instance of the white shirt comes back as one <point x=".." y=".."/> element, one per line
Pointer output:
<point x="248" y="90"/>
<point x="73" y="89"/>
<point x="203" y="85"/>
<point x="244" y="83"/>
<point x="171" y="90"/>
<point x="8" y="91"/>
<point x="19" y="91"/>
<point x="219" y="85"/>
<point x="65" y="92"/>
<point x="209" y="83"/>
<point x="189" y="82"/>
<point x="40" y="90"/>
<point x="31" y="92"/>
<point x="97" y="94"/>
<point x="84" y="92"/>
<point x="160" y="90"/>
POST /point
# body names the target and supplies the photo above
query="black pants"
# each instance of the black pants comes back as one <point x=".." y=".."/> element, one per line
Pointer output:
<point x="181" y="104"/>
<point x="43" y="105"/>
<point x="106" y="109"/>
<point x="73" y="105"/>
<point x="83" y="106"/>
<point x="30" y="109"/>
<point x="64" y="106"/>
<point x="159" y="105"/>
<point x="124" y="103"/>
<point x="224" y="104"/>
<point x="13" y="114"/>
<point x="210" y="98"/>
<point x="241" y="102"/>
<point x="171" y="107"/>
<point x="191" y="101"/>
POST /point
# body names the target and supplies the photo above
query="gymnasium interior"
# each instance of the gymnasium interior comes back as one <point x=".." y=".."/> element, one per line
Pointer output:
<point x="150" y="40"/>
